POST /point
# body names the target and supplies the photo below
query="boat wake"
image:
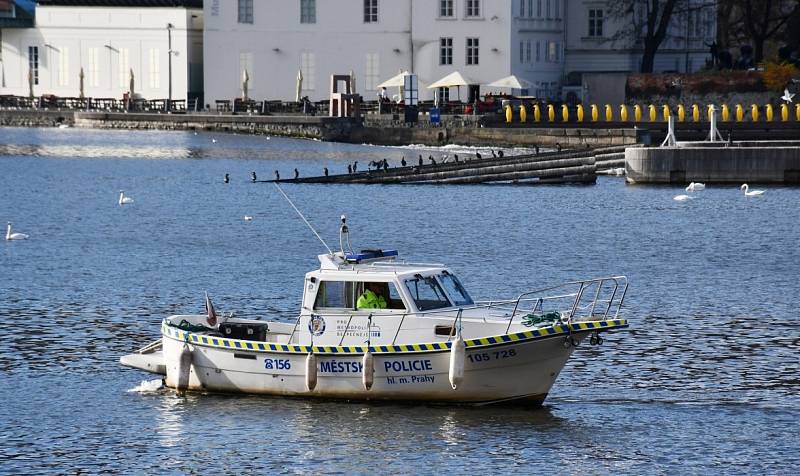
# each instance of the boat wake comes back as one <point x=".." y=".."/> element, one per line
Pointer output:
<point x="149" y="386"/>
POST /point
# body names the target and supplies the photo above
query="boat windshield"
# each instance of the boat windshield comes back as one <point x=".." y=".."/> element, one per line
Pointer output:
<point x="426" y="293"/>
<point x="455" y="290"/>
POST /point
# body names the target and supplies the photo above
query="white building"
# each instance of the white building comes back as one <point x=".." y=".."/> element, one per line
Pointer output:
<point x="550" y="43"/>
<point x="159" y="40"/>
<point x="375" y="39"/>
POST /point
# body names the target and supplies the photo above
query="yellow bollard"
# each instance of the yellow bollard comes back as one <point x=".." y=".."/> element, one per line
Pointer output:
<point x="769" y="112"/>
<point x="579" y="113"/>
<point x="652" y="111"/>
<point x="523" y="114"/>
<point x="665" y="112"/>
<point x="609" y="113"/>
<point x="637" y="113"/>
<point x="681" y="113"/>
<point x="754" y="112"/>
<point x="695" y="113"/>
<point x="595" y="113"/>
<point x="537" y="113"/>
<point x="784" y="113"/>
<point x="726" y="113"/>
<point x="623" y="113"/>
<point x="551" y="113"/>
<point x="509" y="115"/>
<point x="564" y="113"/>
<point x="797" y="113"/>
<point x="739" y="113"/>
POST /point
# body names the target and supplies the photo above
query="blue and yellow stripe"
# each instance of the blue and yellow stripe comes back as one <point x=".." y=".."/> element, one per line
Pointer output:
<point x="534" y="334"/>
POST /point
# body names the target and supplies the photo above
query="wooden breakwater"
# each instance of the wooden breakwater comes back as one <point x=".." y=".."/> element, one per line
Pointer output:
<point x="568" y="166"/>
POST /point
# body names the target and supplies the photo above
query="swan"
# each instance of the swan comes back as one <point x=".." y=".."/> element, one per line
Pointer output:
<point x="14" y="236"/>
<point x="754" y="193"/>
<point x="213" y="141"/>
<point x="618" y="171"/>
<point x="682" y="198"/>
<point x="695" y="187"/>
<point x="248" y="218"/>
<point x="123" y="200"/>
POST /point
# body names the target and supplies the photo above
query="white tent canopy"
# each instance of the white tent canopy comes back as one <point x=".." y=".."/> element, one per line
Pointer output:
<point x="395" y="81"/>
<point x="511" y="82"/>
<point x="452" y="80"/>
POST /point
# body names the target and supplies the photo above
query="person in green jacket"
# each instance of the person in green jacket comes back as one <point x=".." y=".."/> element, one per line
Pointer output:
<point x="371" y="298"/>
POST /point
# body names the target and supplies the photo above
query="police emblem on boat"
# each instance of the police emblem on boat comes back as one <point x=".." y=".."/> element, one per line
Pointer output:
<point x="316" y="325"/>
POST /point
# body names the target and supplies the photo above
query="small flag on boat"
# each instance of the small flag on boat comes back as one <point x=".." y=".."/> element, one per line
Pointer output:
<point x="212" y="315"/>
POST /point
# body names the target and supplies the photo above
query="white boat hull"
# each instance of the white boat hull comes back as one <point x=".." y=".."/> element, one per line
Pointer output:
<point x="521" y="366"/>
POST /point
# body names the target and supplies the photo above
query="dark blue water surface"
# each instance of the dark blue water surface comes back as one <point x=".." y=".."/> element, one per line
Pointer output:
<point x="706" y="381"/>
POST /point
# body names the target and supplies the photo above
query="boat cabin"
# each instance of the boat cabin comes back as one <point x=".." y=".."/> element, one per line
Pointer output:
<point x="334" y="314"/>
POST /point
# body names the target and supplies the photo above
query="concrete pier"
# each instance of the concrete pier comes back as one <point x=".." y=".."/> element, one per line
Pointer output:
<point x="720" y="162"/>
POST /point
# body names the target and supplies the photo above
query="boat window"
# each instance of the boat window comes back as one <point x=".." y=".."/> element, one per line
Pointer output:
<point x="344" y="294"/>
<point x="455" y="290"/>
<point x="427" y="293"/>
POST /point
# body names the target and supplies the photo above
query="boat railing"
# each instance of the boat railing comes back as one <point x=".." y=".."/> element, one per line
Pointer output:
<point x="598" y="298"/>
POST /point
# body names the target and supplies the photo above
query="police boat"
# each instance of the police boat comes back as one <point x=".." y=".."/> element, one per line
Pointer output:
<point x="419" y="337"/>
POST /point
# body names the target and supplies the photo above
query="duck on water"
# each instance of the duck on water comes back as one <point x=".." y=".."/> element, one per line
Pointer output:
<point x="422" y="338"/>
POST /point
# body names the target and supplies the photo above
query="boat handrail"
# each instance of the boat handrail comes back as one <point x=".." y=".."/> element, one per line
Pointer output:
<point x="613" y="304"/>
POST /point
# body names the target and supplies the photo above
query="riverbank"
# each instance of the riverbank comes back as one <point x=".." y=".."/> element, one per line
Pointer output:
<point x="387" y="130"/>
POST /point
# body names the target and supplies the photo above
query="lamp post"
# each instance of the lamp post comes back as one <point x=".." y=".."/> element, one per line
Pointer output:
<point x="170" y="26"/>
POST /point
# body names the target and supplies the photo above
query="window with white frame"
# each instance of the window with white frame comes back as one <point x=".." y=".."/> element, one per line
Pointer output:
<point x="446" y="9"/>
<point x="370" y="11"/>
<point x="445" y="51"/>
<point x="473" y="47"/>
<point x="308" y="11"/>
<point x="154" y="69"/>
<point x="551" y="51"/>
<point x="123" y="61"/>
<point x="373" y="72"/>
<point x="473" y="8"/>
<point x="94" y="67"/>
<point x="245" y="11"/>
<point x="308" y="68"/>
<point x="33" y="63"/>
<point x="595" y="22"/>
<point x="63" y="66"/>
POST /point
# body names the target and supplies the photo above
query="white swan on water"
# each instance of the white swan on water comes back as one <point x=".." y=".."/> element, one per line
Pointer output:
<point x="682" y="198"/>
<point x="14" y="236"/>
<point x="753" y="193"/>
<point x="123" y="200"/>
<point x="695" y="187"/>
<point x="248" y="218"/>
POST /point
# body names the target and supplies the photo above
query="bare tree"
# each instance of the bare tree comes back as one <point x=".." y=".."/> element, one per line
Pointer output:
<point x="645" y="23"/>
<point x="763" y="19"/>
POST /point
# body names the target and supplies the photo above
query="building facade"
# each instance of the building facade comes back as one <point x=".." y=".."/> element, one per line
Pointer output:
<point x="160" y="41"/>
<point x="550" y="43"/>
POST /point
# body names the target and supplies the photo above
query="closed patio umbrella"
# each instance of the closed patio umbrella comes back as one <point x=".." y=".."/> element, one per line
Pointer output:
<point x="80" y="82"/>
<point x="245" y="81"/>
<point x="299" y="85"/>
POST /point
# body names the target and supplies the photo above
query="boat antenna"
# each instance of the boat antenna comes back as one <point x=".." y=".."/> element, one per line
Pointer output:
<point x="344" y="236"/>
<point x="304" y="219"/>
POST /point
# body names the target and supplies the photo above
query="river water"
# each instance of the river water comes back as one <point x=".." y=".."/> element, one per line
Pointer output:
<point x="706" y="380"/>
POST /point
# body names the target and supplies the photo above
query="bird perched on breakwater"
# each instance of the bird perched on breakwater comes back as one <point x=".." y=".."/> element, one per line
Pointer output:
<point x="403" y="161"/>
<point x="478" y="155"/>
<point x="494" y="154"/>
<point x="558" y="146"/>
<point x="500" y="153"/>
<point x="325" y="170"/>
<point x="349" y="169"/>
<point x="420" y="160"/>
<point x="277" y="175"/>
<point x="253" y="177"/>
<point x="227" y="178"/>
<point x="385" y="165"/>
<point x="355" y="166"/>
<point x="433" y="161"/>
<point x="296" y="174"/>
<point x="536" y="149"/>
<point x="455" y="157"/>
